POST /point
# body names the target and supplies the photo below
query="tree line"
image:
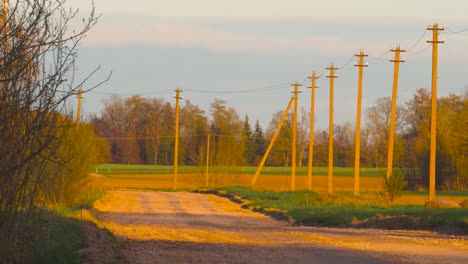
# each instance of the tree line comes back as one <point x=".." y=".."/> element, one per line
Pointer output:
<point x="141" y="131"/>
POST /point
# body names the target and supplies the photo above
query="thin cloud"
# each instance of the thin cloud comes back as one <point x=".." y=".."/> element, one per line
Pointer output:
<point x="181" y="35"/>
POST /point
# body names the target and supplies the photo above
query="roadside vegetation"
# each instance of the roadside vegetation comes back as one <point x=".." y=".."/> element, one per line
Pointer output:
<point x="46" y="153"/>
<point x="345" y="210"/>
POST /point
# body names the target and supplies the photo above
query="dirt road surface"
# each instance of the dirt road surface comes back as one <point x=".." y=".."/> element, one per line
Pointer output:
<point x="162" y="227"/>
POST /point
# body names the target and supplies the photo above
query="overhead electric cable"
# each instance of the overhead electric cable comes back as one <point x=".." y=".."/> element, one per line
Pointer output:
<point x="417" y="42"/>
<point x="262" y="89"/>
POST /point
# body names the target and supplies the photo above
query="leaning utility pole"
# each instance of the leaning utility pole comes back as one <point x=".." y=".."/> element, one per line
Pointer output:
<point x="294" y="137"/>
<point x="272" y="142"/>
<point x="391" y="140"/>
<point x="357" y="155"/>
<point x="311" y="132"/>
<point x="207" y="158"/>
<point x="78" y="112"/>
<point x="432" y="167"/>
<point x="332" y="76"/>
<point x="176" y="137"/>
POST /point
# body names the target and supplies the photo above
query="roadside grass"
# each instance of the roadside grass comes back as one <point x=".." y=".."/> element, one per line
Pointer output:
<point x="63" y="239"/>
<point x="51" y="235"/>
<point x="338" y="210"/>
<point x="43" y="237"/>
<point x="115" y="169"/>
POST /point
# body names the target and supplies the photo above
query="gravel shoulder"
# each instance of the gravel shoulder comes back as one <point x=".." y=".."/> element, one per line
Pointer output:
<point x="178" y="227"/>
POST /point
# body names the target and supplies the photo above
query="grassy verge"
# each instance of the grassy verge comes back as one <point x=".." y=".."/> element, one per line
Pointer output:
<point x="63" y="239"/>
<point x="53" y="235"/>
<point x="42" y="237"/>
<point x="342" y="210"/>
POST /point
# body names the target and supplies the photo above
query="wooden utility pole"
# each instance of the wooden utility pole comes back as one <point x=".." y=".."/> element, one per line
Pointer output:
<point x="294" y="137"/>
<point x="176" y="137"/>
<point x="272" y="142"/>
<point x="78" y="111"/>
<point x="357" y="156"/>
<point x="5" y="24"/>
<point x="391" y="141"/>
<point x="313" y="77"/>
<point x="432" y="167"/>
<point x="207" y="158"/>
<point x="332" y="77"/>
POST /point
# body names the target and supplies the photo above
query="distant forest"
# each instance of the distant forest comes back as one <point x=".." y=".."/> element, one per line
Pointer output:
<point x="141" y="131"/>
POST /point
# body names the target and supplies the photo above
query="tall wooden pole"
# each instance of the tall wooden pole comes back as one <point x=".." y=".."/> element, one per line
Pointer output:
<point x="391" y="141"/>
<point x="207" y="158"/>
<point x="5" y="24"/>
<point x="432" y="158"/>
<point x="78" y="111"/>
<point x="176" y="137"/>
<point x="357" y="156"/>
<point x="272" y="142"/>
<point x="294" y="137"/>
<point x="311" y="130"/>
<point x="332" y="76"/>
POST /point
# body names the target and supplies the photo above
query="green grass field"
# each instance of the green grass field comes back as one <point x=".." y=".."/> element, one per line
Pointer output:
<point x="114" y="169"/>
<point x="340" y="209"/>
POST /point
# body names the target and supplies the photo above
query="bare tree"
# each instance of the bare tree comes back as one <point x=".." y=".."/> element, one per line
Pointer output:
<point x="37" y="57"/>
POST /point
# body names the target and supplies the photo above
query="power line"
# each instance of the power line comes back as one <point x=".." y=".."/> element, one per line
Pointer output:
<point x="458" y="32"/>
<point x="133" y="94"/>
<point x="421" y="51"/>
<point x="417" y="42"/>
<point x="381" y="57"/>
<point x="321" y="74"/>
<point x="161" y="137"/>
<point x="346" y="63"/>
<point x="255" y="90"/>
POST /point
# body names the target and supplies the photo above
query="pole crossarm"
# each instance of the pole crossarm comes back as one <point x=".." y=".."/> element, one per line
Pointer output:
<point x="272" y="142"/>
<point x="332" y="69"/>
<point x="313" y="78"/>
<point x="361" y="63"/>
<point x="313" y="86"/>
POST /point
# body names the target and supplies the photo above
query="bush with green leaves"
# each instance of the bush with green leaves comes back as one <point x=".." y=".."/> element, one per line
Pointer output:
<point x="394" y="185"/>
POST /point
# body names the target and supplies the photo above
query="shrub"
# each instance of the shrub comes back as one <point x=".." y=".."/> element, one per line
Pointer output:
<point x="394" y="185"/>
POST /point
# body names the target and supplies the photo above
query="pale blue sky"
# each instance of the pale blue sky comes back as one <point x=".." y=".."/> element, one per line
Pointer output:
<point x="156" y="46"/>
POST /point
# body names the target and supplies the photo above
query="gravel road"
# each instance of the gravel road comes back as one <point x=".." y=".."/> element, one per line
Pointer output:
<point x="179" y="227"/>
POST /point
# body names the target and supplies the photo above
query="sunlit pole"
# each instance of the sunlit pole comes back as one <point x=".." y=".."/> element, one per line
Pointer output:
<point x="207" y="158"/>
<point x="332" y="77"/>
<point x="357" y="156"/>
<point x="272" y="142"/>
<point x="311" y="132"/>
<point x="78" y="111"/>
<point x="5" y="24"/>
<point x="391" y="140"/>
<point x="294" y="137"/>
<point x="176" y="137"/>
<point x="432" y="167"/>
